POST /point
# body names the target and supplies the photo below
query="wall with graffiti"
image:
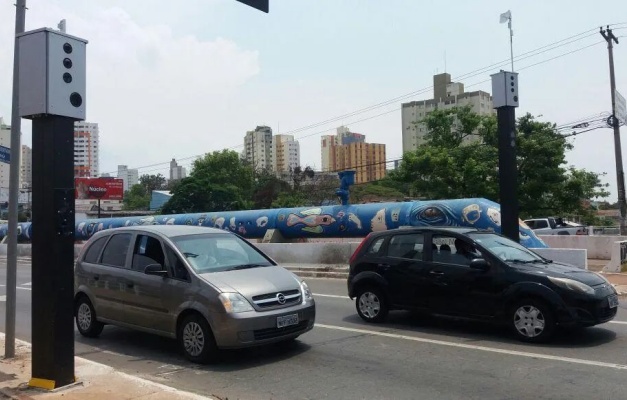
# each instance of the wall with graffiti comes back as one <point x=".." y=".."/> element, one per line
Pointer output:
<point x="356" y="220"/>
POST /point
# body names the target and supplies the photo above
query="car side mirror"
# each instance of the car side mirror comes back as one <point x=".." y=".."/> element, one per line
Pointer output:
<point x="155" y="269"/>
<point x="480" y="264"/>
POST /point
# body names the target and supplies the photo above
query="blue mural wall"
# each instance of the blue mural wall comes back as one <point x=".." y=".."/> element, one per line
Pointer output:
<point x="356" y="220"/>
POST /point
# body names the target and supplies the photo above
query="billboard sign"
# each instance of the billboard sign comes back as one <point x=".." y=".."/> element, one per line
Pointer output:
<point x="99" y="188"/>
<point x="5" y="155"/>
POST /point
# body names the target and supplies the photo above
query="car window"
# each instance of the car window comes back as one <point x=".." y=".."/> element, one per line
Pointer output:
<point x="116" y="250"/>
<point x="541" y="224"/>
<point x="408" y="246"/>
<point x="219" y="252"/>
<point x="451" y="250"/>
<point x="178" y="270"/>
<point x="376" y="246"/>
<point x="93" y="252"/>
<point x="147" y="251"/>
<point x="504" y="248"/>
<point x="531" y="224"/>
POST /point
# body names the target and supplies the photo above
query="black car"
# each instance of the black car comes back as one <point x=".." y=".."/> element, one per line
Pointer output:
<point x="467" y="273"/>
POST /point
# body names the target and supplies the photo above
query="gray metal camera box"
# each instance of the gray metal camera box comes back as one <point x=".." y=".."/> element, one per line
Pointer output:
<point x="52" y="78"/>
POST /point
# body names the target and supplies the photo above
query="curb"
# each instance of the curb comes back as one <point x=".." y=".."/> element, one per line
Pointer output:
<point x="10" y="393"/>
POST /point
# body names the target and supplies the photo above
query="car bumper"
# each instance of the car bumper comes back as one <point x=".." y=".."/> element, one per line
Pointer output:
<point x="588" y="312"/>
<point x="257" y="328"/>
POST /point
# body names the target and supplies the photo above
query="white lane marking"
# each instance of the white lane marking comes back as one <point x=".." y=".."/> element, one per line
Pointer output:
<point x="27" y="284"/>
<point x="475" y="347"/>
<point x="619" y="322"/>
<point x="24" y="288"/>
<point x="334" y="296"/>
<point x="3" y="298"/>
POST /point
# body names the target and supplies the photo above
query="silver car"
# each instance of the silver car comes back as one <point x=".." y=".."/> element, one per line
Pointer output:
<point x="208" y="288"/>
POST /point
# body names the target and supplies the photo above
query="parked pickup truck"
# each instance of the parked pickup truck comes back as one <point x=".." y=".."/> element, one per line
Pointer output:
<point x="555" y="226"/>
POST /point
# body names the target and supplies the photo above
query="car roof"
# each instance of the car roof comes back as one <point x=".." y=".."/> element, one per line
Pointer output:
<point x="446" y="229"/>
<point x="166" y="230"/>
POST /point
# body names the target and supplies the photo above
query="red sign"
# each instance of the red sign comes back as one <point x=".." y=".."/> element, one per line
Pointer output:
<point x="99" y="188"/>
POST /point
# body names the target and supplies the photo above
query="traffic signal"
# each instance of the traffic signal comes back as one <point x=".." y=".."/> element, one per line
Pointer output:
<point x="52" y="74"/>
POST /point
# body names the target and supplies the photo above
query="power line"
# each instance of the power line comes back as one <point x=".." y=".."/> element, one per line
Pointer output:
<point x="532" y="53"/>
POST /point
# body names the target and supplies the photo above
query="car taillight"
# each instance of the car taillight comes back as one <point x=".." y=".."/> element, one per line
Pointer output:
<point x="358" y="249"/>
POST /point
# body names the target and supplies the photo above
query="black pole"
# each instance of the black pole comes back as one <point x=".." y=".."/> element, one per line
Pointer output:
<point x="508" y="172"/>
<point x="53" y="252"/>
<point x="98" y="208"/>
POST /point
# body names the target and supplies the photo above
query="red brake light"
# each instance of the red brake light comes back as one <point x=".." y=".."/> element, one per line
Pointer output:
<point x="352" y="259"/>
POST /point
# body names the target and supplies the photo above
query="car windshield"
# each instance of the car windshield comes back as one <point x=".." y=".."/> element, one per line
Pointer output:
<point x="506" y="249"/>
<point x="219" y="252"/>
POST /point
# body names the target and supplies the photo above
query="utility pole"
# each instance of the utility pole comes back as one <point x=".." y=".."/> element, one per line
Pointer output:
<point x="608" y="35"/>
<point x="14" y="190"/>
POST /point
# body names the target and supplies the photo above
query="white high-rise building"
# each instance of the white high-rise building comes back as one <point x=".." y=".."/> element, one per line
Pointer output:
<point x="129" y="176"/>
<point x="446" y="94"/>
<point x="285" y="153"/>
<point x="86" y="150"/>
<point x="177" y="172"/>
<point x="258" y="148"/>
<point x="26" y="167"/>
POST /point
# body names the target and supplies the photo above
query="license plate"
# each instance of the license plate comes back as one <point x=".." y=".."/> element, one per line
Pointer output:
<point x="613" y="300"/>
<point x="287" y="320"/>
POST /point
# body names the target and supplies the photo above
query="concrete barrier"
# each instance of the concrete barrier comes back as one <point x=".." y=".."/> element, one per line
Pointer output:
<point x="618" y="262"/>
<point x="598" y="247"/>
<point x="575" y="257"/>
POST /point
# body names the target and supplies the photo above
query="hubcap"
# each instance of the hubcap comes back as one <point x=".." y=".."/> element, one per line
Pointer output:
<point x="529" y="321"/>
<point x="84" y="317"/>
<point x="369" y="305"/>
<point x="193" y="339"/>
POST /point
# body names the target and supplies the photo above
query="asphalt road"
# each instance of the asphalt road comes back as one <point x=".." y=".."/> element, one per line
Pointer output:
<point x="409" y="357"/>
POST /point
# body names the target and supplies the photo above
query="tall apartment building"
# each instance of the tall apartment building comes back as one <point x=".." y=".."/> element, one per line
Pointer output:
<point x="177" y="172"/>
<point x="349" y="151"/>
<point x="129" y="176"/>
<point x="258" y="148"/>
<point x="446" y="94"/>
<point x="86" y="150"/>
<point x="285" y="154"/>
<point x="26" y="167"/>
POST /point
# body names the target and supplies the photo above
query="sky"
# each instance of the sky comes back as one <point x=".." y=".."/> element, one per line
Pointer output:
<point x="170" y="79"/>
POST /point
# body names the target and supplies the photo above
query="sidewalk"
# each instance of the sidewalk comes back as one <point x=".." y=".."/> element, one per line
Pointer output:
<point x="95" y="381"/>
<point x="619" y="280"/>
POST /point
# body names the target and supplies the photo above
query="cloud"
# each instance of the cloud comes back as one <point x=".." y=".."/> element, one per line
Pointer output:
<point x="154" y="93"/>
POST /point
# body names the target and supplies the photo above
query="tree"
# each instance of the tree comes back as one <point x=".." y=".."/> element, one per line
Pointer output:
<point x="153" y="182"/>
<point x="267" y="189"/>
<point x="450" y="165"/>
<point x="136" y="198"/>
<point x="219" y="181"/>
<point x="374" y="191"/>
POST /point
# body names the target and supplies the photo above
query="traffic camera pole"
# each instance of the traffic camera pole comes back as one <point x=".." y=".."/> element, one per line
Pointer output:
<point x="14" y="190"/>
<point x="608" y="35"/>
<point x="505" y="100"/>
<point x="52" y="94"/>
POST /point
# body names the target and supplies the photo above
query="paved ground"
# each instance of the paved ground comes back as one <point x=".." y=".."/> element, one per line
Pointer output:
<point x="406" y="358"/>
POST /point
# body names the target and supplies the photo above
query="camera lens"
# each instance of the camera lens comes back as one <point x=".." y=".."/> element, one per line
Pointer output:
<point x="67" y="63"/>
<point x="67" y="77"/>
<point x="67" y="48"/>
<point x="76" y="99"/>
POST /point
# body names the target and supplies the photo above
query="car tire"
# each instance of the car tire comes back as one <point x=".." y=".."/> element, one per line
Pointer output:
<point x="371" y="304"/>
<point x="86" y="321"/>
<point x="196" y="340"/>
<point x="532" y="320"/>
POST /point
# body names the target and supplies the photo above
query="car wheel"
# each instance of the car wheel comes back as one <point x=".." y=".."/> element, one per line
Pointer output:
<point x="196" y="340"/>
<point x="86" y="321"/>
<point x="371" y="304"/>
<point x="532" y="320"/>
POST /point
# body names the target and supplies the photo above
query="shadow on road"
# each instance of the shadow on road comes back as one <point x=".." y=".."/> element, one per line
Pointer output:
<point x="471" y="331"/>
<point x="139" y="346"/>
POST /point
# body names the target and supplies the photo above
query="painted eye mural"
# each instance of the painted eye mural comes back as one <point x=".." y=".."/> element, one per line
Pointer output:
<point x="377" y="223"/>
<point x="471" y="213"/>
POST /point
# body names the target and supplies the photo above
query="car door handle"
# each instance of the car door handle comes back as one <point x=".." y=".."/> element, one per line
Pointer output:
<point x="438" y="273"/>
<point x="96" y="277"/>
<point x="130" y="285"/>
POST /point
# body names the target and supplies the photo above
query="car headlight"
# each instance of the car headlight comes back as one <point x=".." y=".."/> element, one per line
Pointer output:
<point x="603" y="277"/>
<point x="304" y="288"/>
<point x="571" y="284"/>
<point x="234" y="303"/>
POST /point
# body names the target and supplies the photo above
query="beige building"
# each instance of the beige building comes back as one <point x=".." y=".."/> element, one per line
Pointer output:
<point x="285" y="154"/>
<point x="258" y="148"/>
<point x="86" y="149"/>
<point x="446" y="94"/>
<point x="349" y="151"/>
<point x="26" y="167"/>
